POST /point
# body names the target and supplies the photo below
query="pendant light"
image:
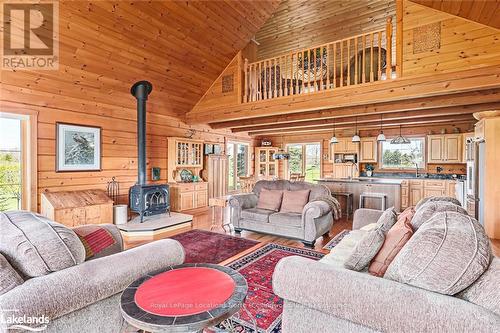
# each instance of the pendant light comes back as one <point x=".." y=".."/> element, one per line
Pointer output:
<point x="400" y="140"/>
<point x="334" y="137"/>
<point x="281" y="154"/>
<point x="381" y="136"/>
<point x="356" y="137"/>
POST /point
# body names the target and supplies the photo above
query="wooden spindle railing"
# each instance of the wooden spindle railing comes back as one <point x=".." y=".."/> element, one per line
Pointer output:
<point x="360" y="59"/>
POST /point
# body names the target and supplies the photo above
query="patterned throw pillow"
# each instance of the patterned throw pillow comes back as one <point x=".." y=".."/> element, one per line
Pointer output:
<point x="294" y="201"/>
<point x="95" y="239"/>
<point x="387" y="219"/>
<point x="365" y="250"/>
<point x="270" y="199"/>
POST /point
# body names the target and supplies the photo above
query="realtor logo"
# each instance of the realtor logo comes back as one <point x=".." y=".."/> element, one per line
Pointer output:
<point x="30" y="35"/>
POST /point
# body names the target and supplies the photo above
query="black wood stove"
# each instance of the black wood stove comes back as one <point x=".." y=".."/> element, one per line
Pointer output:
<point x="145" y="199"/>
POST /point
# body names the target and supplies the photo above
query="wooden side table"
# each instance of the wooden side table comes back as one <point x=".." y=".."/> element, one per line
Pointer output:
<point x="221" y="202"/>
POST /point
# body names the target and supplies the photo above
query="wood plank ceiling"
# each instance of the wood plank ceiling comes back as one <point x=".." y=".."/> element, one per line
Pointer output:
<point x="486" y="12"/>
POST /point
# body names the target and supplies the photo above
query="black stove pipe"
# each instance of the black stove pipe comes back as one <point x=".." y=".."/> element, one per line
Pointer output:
<point x="140" y="90"/>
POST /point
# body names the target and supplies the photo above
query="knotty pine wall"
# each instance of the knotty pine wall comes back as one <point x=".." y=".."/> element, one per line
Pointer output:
<point x="462" y="44"/>
<point x="298" y="24"/>
<point x="324" y="139"/>
<point x="101" y="56"/>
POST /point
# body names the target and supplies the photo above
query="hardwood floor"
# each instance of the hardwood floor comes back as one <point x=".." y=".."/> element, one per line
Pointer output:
<point x="202" y="219"/>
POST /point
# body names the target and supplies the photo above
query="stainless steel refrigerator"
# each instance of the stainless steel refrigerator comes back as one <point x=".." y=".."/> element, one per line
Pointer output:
<point x="475" y="178"/>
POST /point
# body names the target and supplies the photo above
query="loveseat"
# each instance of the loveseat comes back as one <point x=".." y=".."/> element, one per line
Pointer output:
<point x="324" y="296"/>
<point x="315" y="220"/>
<point x="44" y="272"/>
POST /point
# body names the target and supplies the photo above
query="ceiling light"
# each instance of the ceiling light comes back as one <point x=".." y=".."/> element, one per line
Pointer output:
<point x="334" y="137"/>
<point x="381" y="136"/>
<point x="356" y="137"/>
<point x="400" y="140"/>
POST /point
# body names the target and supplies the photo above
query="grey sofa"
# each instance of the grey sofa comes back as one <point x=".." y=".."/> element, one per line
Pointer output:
<point x="323" y="296"/>
<point x="316" y="218"/>
<point x="83" y="297"/>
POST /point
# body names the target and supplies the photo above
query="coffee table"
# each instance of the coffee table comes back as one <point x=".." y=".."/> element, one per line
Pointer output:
<point x="183" y="298"/>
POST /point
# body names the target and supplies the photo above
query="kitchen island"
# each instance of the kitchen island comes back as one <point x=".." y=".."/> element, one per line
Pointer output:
<point x="356" y="186"/>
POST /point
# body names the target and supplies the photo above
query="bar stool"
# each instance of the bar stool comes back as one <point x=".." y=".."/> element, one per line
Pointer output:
<point x="349" y="199"/>
<point x="381" y="196"/>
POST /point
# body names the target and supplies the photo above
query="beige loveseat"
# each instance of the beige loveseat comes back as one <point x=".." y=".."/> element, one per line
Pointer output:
<point x="315" y="220"/>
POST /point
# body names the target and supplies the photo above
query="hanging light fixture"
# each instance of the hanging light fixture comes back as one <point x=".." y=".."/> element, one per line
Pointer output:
<point x="334" y="137"/>
<point x="281" y="154"/>
<point x="400" y="140"/>
<point x="356" y="137"/>
<point x="381" y="136"/>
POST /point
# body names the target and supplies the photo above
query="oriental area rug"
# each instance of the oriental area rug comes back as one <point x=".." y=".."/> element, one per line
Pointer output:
<point x="261" y="303"/>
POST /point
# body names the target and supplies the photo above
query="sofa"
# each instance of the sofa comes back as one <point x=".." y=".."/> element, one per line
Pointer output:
<point x="315" y="220"/>
<point x="324" y="296"/>
<point x="44" y="272"/>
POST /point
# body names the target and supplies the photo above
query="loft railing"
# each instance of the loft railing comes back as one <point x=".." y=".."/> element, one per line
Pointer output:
<point x="346" y="62"/>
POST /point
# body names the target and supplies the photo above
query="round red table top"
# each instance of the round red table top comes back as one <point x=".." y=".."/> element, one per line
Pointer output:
<point x="185" y="291"/>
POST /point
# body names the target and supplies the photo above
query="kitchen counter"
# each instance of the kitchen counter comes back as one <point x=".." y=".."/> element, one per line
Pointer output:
<point x="367" y="180"/>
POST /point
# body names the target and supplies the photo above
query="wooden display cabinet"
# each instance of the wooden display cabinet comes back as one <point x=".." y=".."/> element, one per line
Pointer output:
<point x="266" y="167"/>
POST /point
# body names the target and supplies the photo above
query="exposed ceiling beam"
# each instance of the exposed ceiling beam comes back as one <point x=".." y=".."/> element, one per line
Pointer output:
<point x="455" y="100"/>
<point x="450" y="112"/>
<point x="371" y="125"/>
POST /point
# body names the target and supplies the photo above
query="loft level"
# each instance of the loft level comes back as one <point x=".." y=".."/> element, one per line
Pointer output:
<point x="351" y="61"/>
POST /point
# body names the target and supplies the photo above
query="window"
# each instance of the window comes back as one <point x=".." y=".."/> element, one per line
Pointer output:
<point x="238" y="161"/>
<point x="10" y="164"/>
<point x="403" y="156"/>
<point x="305" y="158"/>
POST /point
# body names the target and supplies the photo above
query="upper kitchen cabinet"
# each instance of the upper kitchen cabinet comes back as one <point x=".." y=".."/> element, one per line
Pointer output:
<point x="444" y="148"/>
<point x="344" y="145"/>
<point x="368" y="150"/>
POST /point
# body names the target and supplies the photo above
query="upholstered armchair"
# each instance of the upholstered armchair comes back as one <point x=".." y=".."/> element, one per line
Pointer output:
<point x="315" y="220"/>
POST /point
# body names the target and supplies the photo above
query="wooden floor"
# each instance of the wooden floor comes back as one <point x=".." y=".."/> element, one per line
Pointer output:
<point x="202" y="219"/>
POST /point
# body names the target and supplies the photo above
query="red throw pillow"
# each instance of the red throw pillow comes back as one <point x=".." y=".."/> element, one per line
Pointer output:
<point x="294" y="201"/>
<point x="407" y="214"/>
<point x="395" y="239"/>
<point x="270" y="199"/>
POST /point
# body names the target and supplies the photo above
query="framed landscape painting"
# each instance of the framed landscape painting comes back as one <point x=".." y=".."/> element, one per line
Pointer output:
<point x="78" y="148"/>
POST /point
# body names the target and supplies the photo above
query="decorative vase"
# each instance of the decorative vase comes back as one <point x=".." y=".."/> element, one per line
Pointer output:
<point x="369" y="173"/>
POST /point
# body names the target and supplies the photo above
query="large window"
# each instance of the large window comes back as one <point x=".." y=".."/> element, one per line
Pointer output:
<point x="403" y="156"/>
<point x="10" y="164"/>
<point x="238" y="163"/>
<point x="305" y="159"/>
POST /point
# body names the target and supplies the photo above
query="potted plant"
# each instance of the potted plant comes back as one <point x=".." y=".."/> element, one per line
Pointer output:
<point x="369" y="170"/>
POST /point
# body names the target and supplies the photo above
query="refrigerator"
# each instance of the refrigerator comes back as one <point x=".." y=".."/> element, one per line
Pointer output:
<point x="475" y="178"/>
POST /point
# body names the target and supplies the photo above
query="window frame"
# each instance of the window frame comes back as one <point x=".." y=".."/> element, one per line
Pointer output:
<point x="235" y="167"/>
<point x="424" y="154"/>
<point x="286" y="168"/>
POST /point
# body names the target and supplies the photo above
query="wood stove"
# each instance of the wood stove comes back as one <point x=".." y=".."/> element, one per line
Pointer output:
<point x="145" y="199"/>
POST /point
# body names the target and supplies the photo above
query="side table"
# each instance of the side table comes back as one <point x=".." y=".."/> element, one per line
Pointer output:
<point x="221" y="202"/>
<point x="184" y="298"/>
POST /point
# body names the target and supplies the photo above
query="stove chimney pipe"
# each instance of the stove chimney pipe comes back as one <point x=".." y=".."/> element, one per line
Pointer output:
<point x="140" y="90"/>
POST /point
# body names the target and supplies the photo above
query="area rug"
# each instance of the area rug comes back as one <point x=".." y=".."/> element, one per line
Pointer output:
<point x="203" y="246"/>
<point x="264" y="306"/>
<point x="335" y="240"/>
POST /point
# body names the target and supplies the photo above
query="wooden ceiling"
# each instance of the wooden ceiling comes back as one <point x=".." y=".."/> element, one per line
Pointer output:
<point x="486" y="12"/>
<point x="302" y="23"/>
<point x="180" y="46"/>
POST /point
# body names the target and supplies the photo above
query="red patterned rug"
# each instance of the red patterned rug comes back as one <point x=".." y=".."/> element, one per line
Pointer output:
<point x="203" y="246"/>
<point x="264" y="306"/>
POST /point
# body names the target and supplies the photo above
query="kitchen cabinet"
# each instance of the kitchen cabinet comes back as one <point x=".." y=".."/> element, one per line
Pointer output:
<point x="344" y="170"/>
<point x="444" y="148"/>
<point x="419" y="189"/>
<point x="184" y="154"/>
<point x="345" y="145"/>
<point x="416" y="191"/>
<point x="368" y="150"/>
<point x="266" y="166"/>
<point x="466" y="136"/>
<point x="185" y="196"/>
<point x="405" y="192"/>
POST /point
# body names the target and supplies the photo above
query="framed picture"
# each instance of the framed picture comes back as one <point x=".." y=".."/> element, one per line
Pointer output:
<point x="78" y="148"/>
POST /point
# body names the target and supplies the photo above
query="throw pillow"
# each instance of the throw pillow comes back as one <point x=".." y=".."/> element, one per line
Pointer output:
<point x="365" y="250"/>
<point x="394" y="241"/>
<point x="447" y="199"/>
<point x="484" y="291"/>
<point x="270" y="199"/>
<point x="427" y="210"/>
<point x="36" y="246"/>
<point x="445" y="255"/>
<point x="294" y="201"/>
<point x="96" y="240"/>
<point x="9" y="278"/>
<point x="387" y="219"/>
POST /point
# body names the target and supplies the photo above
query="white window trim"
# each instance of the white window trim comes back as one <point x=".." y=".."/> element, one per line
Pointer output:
<point x="424" y="154"/>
